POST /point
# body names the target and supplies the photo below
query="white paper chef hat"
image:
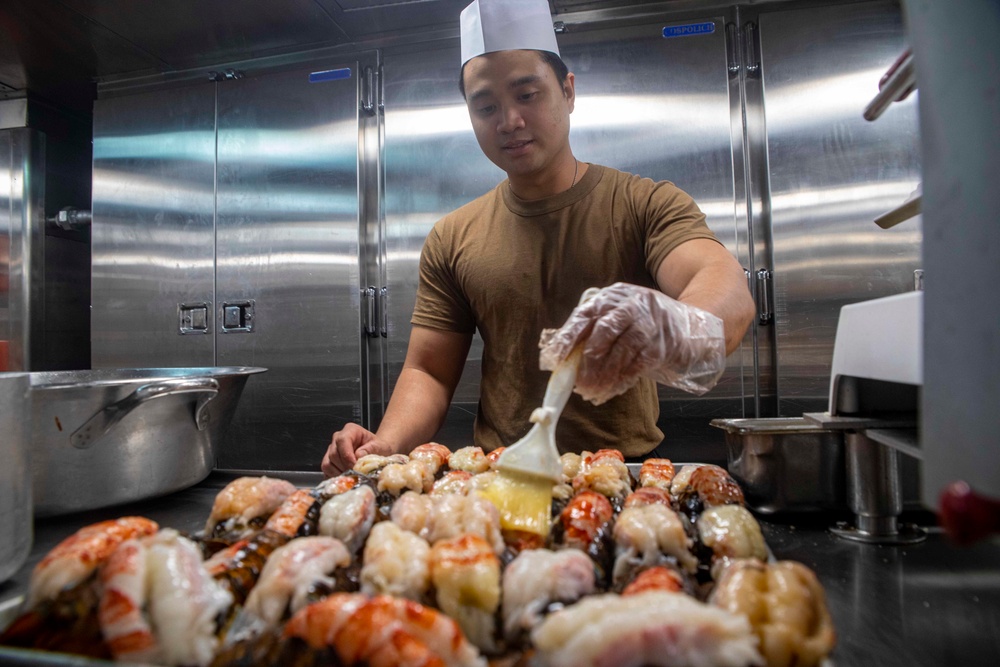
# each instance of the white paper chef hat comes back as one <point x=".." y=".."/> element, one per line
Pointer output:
<point x="503" y="25"/>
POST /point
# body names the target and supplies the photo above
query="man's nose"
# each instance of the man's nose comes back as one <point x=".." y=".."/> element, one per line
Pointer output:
<point x="510" y="120"/>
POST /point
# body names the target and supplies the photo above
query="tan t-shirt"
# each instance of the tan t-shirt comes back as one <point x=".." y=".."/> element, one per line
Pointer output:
<point x="510" y="268"/>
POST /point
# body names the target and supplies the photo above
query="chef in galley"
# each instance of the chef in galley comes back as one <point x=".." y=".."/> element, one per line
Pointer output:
<point x="514" y="263"/>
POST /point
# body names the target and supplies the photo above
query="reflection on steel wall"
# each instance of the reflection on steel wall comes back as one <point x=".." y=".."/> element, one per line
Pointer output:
<point x="153" y="236"/>
<point x="831" y="174"/>
<point x="22" y="237"/>
<point x="226" y="233"/>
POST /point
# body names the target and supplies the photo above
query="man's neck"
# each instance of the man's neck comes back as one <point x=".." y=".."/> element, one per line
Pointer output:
<point x="531" y="187"/>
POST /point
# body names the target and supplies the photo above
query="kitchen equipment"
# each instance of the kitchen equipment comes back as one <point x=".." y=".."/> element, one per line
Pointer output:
<point x="786" y="464"/>
<point x="15" y="481"/>
<point x="110" y="436"/>
<point x="875" y="382"/>
<point x="536" y="454"/>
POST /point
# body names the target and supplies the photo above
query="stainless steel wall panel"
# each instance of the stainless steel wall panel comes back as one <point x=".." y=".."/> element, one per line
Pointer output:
<point x="831" y="174"/>
<point x="22" y="247"/>
<point x="287" y="238"/>
<point x="153" y="235"/>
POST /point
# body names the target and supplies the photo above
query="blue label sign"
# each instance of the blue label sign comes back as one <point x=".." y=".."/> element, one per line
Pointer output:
<point x="330" y="75"/>
<point x="689" y="29"/>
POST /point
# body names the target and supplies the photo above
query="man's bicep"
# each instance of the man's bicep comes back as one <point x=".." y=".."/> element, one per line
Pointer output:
<point x="441" y="354"/>
<point x="679" y="268"/>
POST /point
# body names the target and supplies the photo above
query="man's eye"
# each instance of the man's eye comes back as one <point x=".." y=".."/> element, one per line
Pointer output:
<point x="486" y="110"/>
<point x="527" y="96"/>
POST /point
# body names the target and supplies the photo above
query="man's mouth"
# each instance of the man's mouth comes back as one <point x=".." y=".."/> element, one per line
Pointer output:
<point x="513" y="146"/>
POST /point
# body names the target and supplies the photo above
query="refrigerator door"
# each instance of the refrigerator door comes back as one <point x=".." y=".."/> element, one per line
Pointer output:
<point x="287" y="280"/>
<point x="153" y="231"/>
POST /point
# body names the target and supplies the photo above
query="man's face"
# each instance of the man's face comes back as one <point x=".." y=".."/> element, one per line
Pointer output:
<point x="519" y="110"/>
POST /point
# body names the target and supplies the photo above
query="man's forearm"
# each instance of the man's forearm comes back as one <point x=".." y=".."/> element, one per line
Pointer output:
<point x="415" y="412"/>
<point x="722" y="291"/>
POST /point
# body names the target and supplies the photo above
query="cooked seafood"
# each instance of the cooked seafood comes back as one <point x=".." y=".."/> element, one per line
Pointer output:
<point x="647" y="535"/>
<point x="244" y="505"/>
<point x="453" y="481"/>
<point x="647" y="495"/>
<point x="238" y="567"/>
<point x="75" y="558"/>
<point x="292" y="573"/>
<point x="298" y="515"/>
<point x="493" y="456"/>
<point x="658" y="473"/>
<point x="469" y="459"/>
<point x="395" y="563"/>
<point x="571" y="463"/>
<point x="731" y="532"/>
<point x="786" y="606"/>
<point x="465" y="572"/>
<point x="606" y="473"/>
<point x="383" y="632"/>
<point x="537" y="580"/>
<point x="349" y="516"/>
<point x="708" y="486"/>
<point x="434" y="455"/>
<point x="414" y="475"/>
<point x="334" y="486"/>
<point x="657" y="578"/>
<point x="440" y="517"/>
<point x="652" y="628"/>
<point x="372" y="464"/>
<point x="159" y="604"/>
<point x="585" y="524"/>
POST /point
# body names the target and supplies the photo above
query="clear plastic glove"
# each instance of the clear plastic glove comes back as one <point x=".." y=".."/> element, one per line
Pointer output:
<point x="628" y="332"/>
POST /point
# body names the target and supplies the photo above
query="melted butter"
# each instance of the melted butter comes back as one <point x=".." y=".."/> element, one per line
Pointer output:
<point x="524" y="501"/>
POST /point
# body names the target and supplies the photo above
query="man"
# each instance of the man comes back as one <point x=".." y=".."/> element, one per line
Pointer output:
<point x="514" y="263"/>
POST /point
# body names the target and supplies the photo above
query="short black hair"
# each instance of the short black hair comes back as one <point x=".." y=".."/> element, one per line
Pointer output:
<point x="554" y="61"/>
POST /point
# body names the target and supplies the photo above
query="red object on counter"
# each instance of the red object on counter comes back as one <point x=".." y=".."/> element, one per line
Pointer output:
<point x="4" y="363"/>
<point x="966" y="516"/>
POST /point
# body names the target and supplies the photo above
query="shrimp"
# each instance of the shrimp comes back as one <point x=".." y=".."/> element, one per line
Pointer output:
<point x="465" y="572"/>
<point x="469" y="459"/>
<point x="435" y="518"/>
<point x="414" y="475"/>
<point x="493" y="456"/>
<point x="349" y="516"/>
<point x="298" y="515"/>
<point x="658" y="473"/>
<point x="731" y="532"/>
<point x="159" y="604"/>
<point x="647" y="534"/>
<point x="64" y="592"/>
<point x="435" y="455"/>
<point x="537" y="580"/>
<point x="395" y="562"/>
<point x="658" y="578"/>
<point x="244" y="505"/>
<point x="786" y="606"/>
<point x="74" y="559"/>
<point x="372" y="464"/>
<point x="383" y="632"/>
<point x="585" y="524"/>
<point x="647" y="495"/>
<point x="708" y="486"/>
<point x="290" y="575"/>
<point x="605" y="472"/>
<point x="651" y="628"/>
<point x="453" y="481"/>
<point x="238" y="567"/>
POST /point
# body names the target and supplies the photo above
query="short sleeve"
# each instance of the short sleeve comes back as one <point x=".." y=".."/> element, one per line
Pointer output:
<point x="671" y="217"/>
<point x="440" y="304"/>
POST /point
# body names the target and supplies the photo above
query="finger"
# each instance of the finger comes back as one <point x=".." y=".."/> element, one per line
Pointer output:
<point x="331" y="464"/>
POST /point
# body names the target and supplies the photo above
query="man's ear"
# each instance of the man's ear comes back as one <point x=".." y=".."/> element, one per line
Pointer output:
<point x="569" y="90"/>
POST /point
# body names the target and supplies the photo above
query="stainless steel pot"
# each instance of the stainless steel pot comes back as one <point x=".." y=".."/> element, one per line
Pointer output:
<point x="15" y="480"/>
<point x="106" y="437"/>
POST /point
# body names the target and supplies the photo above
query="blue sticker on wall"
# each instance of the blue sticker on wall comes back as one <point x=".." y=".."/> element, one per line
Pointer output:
<point x="330" y="75"/>
<point x="689" y="29"/>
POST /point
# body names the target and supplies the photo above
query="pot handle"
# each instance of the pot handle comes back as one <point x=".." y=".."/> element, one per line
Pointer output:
<point x="104" y="421"/>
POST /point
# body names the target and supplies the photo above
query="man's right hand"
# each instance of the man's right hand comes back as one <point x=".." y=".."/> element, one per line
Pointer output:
<point x="350" y="444"/>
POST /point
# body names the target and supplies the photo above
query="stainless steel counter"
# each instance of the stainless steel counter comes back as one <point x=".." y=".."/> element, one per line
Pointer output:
<point x="928" y="604"/>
